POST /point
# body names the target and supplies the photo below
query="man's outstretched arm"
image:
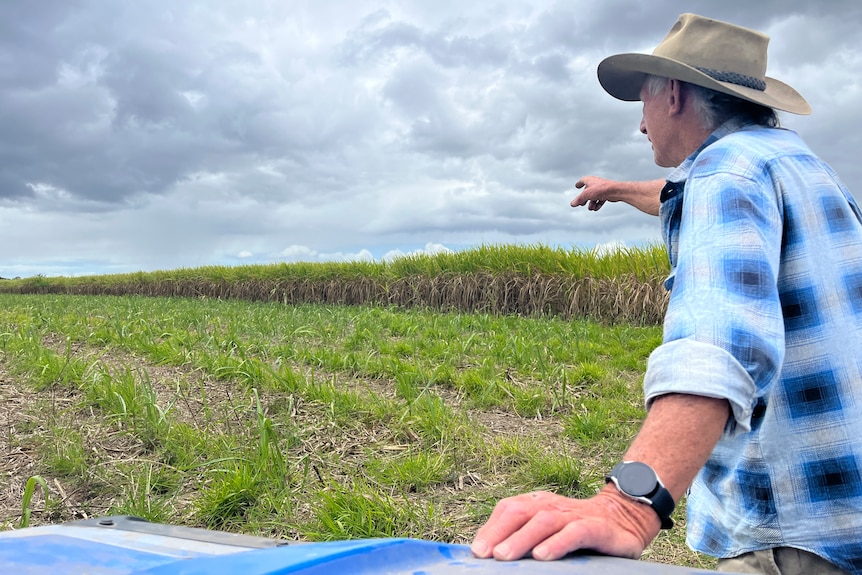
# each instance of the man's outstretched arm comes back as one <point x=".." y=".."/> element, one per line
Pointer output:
<point x="595" y="191"/>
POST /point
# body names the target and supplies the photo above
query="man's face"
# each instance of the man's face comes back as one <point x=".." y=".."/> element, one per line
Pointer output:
<point x="655" y="125"/>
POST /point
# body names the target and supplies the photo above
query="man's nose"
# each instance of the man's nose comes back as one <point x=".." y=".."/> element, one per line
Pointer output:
<point x="643" y="127"/>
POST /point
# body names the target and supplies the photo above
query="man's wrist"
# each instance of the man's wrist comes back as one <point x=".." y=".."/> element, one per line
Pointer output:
<point x="641" y="518"/>
<point x="639" y="482"/>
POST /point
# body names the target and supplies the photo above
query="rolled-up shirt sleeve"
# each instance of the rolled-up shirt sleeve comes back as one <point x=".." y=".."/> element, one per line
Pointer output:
<point x="686" y="366"/>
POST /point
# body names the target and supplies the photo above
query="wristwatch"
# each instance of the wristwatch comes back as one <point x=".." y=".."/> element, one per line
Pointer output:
<point x="639" y="482"/>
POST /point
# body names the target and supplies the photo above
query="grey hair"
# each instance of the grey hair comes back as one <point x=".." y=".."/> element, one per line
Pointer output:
<point x="715" y="108"/>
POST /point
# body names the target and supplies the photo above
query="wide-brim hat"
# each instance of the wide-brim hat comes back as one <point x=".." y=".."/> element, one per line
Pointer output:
<point x="709" y="53"/>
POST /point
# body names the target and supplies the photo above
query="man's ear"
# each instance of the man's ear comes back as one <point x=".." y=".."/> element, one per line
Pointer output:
<point x="674" y="97"/>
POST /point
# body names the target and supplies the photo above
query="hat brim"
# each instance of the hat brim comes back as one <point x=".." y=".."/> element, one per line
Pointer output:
<point x="623" y="75"/>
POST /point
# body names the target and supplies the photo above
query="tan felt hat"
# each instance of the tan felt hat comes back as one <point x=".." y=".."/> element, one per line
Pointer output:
<point x="709" y="53"/>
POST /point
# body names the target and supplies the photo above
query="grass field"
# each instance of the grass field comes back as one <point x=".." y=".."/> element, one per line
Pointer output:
<point x="308" y="422"/>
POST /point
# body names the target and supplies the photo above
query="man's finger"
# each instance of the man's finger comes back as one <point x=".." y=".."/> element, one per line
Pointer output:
<point x="574" y="536"/>
<point x="508" y="516"/>
<point x="535" y="531"/>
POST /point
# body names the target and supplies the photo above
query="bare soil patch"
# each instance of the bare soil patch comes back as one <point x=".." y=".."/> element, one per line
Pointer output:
<point x="29" y="421"/>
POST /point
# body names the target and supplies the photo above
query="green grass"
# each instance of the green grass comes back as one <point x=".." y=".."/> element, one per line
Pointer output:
<point x="29" y="490"/>
<point x="314" y="422"/>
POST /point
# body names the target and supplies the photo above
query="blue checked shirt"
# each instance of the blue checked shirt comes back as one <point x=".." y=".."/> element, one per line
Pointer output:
<point x="765" y="310"/>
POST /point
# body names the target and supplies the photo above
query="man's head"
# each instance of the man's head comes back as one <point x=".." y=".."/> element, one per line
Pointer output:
<point x="702" y="74"/>
<point x="709" y="53"/>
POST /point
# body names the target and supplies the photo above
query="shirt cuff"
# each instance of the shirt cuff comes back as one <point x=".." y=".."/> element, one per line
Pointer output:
<point x="696" y="368"/>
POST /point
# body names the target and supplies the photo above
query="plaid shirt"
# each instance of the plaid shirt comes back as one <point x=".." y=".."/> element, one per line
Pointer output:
<point x="765" y="310"/>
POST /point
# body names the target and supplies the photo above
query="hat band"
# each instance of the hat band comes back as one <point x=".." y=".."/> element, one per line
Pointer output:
<point x="735" y="78"/>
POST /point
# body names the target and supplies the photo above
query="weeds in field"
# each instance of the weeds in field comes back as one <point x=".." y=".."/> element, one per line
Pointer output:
<point x="313" y="422"/>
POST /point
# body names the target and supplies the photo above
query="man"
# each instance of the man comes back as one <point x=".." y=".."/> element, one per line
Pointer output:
<point x="755" y="396"/>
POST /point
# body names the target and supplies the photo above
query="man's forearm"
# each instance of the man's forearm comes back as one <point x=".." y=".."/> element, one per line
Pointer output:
<point x="678" y="436"/>
<point x="644" y="196"/>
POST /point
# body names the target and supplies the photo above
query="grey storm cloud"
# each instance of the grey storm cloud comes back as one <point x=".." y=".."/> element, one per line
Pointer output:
<point x="163" y="134"/>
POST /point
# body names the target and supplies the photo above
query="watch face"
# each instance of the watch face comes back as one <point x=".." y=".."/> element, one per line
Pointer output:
<point x="637" y="479"/>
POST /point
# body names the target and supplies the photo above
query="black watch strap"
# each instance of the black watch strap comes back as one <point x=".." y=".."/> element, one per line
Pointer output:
<point x="638" y="481"/>
<point x="663" y="504"/>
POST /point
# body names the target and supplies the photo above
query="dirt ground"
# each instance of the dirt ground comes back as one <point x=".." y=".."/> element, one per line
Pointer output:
<point x="18" y="462"/>
<point x="27" y="420"/>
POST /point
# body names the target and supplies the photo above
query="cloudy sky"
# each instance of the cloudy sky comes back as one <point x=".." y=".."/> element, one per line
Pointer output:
<point x="155" y="135"/>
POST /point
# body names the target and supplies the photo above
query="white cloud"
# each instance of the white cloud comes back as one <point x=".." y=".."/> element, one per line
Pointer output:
<point x="430" y="248"/>
<point x="609" y="248"/>
<point x="297" y="253"/>
<point x="362" y="255"/>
